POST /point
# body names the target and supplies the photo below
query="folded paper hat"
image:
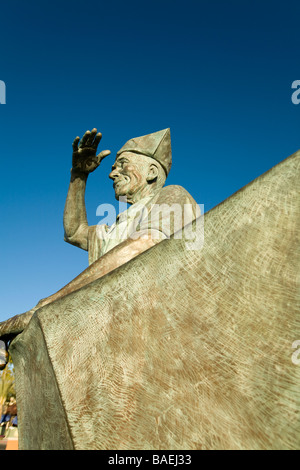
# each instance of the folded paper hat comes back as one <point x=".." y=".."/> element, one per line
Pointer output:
<point x="156" y="145"/>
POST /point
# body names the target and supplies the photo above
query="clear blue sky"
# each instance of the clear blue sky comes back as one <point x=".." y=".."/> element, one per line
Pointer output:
<point x="218" y="73"/>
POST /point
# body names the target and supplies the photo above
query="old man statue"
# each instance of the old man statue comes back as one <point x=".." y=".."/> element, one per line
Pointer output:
<point x="155" y="213"/>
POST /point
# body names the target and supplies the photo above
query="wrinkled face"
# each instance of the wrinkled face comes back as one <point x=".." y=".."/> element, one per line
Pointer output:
<point x="129" y="174"/>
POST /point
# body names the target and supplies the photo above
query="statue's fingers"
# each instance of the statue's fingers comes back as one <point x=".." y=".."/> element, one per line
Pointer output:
<point x="84" y="139"/>
<point x="97" y="140"/>
<point x="75" y="143"/>
<point x="91" y="137"/>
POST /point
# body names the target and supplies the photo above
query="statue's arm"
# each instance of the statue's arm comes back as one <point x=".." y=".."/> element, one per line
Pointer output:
<point x="84" y="161"/>
<point x="15" y="325"/>
<point x="75" y="219"/>
<point x="114" y="258"/>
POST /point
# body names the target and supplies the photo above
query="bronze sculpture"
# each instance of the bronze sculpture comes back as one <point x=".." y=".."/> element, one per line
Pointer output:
<point x="173" y="348"/>
<point x="139" y="174"/>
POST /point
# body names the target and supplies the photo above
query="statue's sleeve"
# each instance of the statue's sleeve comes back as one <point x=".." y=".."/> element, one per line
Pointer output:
<point x="96" y="234"/>
<point x="171" y="210"/>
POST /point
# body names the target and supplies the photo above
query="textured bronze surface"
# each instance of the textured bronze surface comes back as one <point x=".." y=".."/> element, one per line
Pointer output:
<point x="177" y="349"/>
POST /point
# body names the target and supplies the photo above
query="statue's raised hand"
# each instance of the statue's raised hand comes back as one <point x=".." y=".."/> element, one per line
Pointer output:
<point x="85" y="159"/>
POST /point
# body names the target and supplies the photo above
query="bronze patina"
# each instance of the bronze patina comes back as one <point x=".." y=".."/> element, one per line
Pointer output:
<point x="158" y="346"/>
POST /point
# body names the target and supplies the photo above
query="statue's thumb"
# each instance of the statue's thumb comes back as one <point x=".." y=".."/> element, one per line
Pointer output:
<point x="103" y="154"/>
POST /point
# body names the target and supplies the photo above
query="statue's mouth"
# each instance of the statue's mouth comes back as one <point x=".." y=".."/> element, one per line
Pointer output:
<point x="120" y="181"/>
<point x="116" y="183"/>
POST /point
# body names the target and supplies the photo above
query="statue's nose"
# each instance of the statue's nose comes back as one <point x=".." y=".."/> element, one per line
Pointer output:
<point x="113" y="174"/>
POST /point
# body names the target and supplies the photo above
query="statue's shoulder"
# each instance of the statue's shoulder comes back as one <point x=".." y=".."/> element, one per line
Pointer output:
<point x="173" y="194"/>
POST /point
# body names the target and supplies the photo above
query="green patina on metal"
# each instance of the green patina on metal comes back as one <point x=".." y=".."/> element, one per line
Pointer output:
<point x="171" y="344"/>
<point x="186" y="349"/>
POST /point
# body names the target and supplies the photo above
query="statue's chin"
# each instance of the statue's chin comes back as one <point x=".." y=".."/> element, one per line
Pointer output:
<point x="120" y="191"/>
<point x="119" y="194"/>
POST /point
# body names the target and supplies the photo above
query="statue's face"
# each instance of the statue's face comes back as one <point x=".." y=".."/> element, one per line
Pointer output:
<point x="129" y="174"/>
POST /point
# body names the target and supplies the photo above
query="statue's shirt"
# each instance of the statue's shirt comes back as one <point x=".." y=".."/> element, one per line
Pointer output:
<point x="159" y="216"/>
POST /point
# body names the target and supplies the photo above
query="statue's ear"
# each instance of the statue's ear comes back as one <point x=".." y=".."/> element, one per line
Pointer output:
<point x="152" y="173"/>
